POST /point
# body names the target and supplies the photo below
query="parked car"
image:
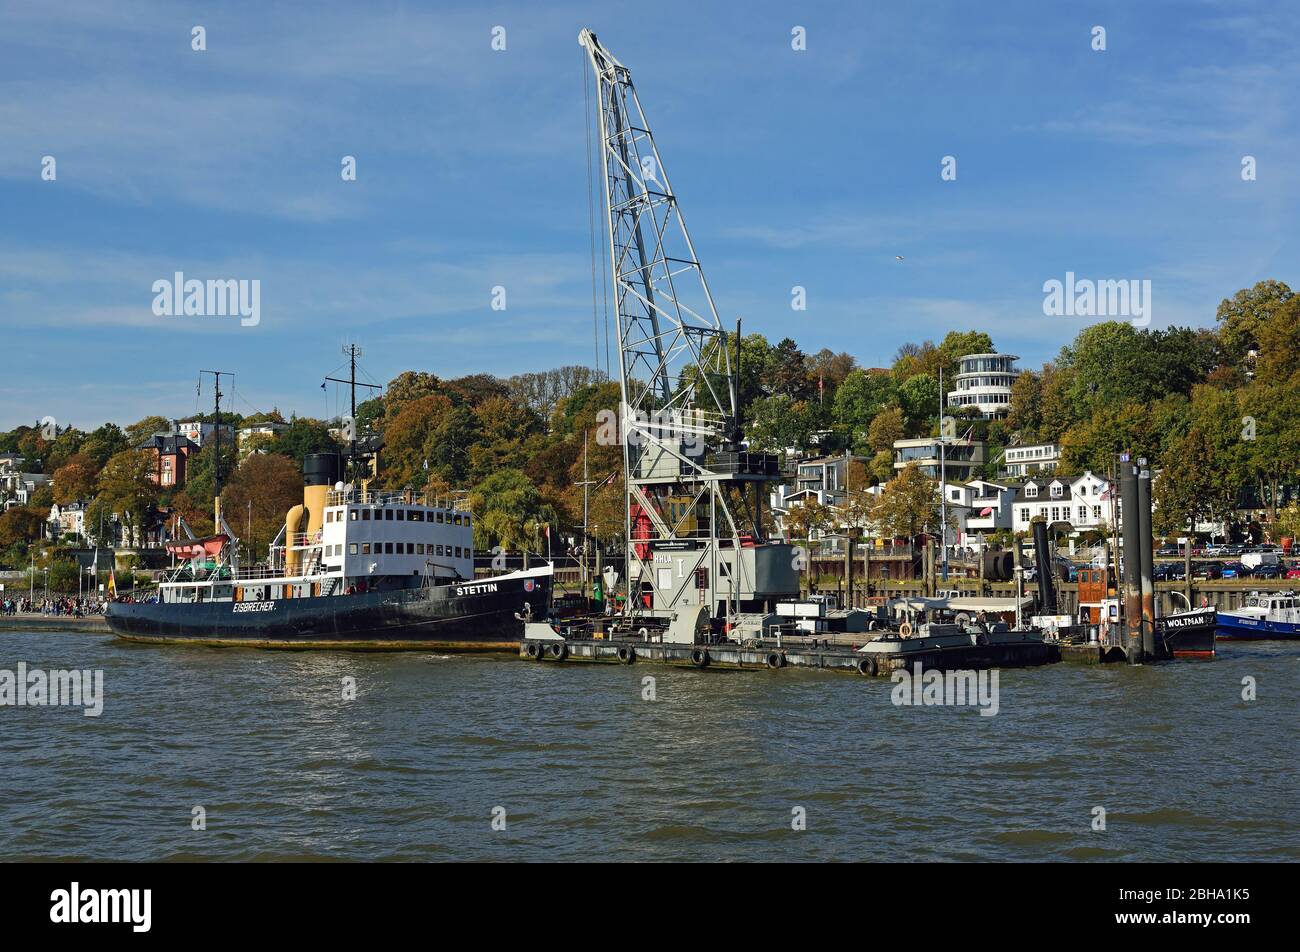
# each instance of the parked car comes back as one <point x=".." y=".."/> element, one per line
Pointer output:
<point x="1207" y="571"/>
<point x="1234" y="570"/>
<point x="1293" y="572"/>
<point x="1272" y="570"/>
<point x="1175" y="572"/>
<point x="1169" y="551"/>
<point x="1213" y="550"/>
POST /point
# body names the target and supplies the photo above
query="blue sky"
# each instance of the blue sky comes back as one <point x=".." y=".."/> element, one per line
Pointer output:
<point x="813" y="168"/>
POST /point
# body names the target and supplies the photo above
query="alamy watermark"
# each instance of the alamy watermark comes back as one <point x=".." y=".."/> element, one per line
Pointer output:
<point x="637" y="427"/>
<point x="216" y="297"/>
<point x="34" y="687"/>
<point x="1083" y="297"/>
<point x="935" y="688"/>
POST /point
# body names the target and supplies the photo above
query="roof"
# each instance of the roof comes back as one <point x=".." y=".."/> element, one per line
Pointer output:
<point x="168" y="443"/>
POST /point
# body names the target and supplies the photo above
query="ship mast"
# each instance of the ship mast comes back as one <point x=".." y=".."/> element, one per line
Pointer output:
<point x="688" y="502"/>
<point x="216" y="456"/>
<point x="352" y="352"/>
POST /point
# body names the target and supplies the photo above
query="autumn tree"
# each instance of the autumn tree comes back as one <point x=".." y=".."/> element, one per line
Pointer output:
<point x="907" y="505"/>
<point x="263" y="488"/>
<point x="75" y="480"/>
<point x="125" y="485"/>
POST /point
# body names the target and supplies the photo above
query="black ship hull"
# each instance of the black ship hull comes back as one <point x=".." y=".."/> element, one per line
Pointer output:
<point x="468" y="616"/>
<point x="1187" y="634"/>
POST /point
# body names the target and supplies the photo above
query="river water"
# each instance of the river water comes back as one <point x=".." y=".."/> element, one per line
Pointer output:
<point x="576" y="764"/>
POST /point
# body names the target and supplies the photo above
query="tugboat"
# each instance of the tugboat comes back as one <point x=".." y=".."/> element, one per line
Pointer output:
<point x="1265" y="616"/>
<point x="352" y="568"/>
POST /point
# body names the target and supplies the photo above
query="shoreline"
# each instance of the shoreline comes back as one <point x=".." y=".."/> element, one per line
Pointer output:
<point x="96" y="624"/>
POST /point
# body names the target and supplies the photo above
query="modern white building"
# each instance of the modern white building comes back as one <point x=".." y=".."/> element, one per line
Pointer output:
<point x="963" y="459"/>
<point x="984" y="384"/>
<point x="1030" y="460"/>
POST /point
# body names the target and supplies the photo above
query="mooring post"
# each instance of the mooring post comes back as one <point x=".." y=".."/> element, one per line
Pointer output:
<point x="1147" y="558"/>
<point x="1131" y="583"/>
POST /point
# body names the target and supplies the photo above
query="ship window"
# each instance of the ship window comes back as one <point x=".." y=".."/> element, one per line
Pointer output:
<point x="419" y="548"/>
<point x="458" y="552"/>
<point x="365" y="548"/>
<point x="352" y="548"/>
<point x="439" y="515"/>
<point x="457" y="518"/>
<point x="388" y="548"/>
<point x="388" y="515"/>
<point x="401" y="515"/>
<point x="410" y="548"/>
<point x="352" y="514"/>
<point x="416" y="516"/>
<point x="365" y="515"/>
<point x="440" y="550"/>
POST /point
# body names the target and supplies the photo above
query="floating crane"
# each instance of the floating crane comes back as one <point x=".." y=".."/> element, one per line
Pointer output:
<point x="697" y="553"/>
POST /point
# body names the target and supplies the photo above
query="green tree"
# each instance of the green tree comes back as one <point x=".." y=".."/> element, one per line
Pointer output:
<point x="304" y="437"/>
<point x="506" y="506"/>
<point x="919" y="398"/>
<point x="787" y="372"/>
<point x="858" y="400"/>
<point x="958" y="344"/>
<point x="1241" y="316"/>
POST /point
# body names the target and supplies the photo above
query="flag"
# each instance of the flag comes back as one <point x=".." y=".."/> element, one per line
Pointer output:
<point x="112" y="585"/>
<point x="546" y="530"/>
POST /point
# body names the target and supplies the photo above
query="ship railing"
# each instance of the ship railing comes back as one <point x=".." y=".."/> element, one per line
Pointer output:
<point x="389" y="497"/>
<point x="304" y="540"/>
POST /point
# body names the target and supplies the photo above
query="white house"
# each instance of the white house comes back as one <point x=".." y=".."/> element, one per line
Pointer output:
<point x="1030" y="460"/>
<point x="823" y="480"/>
<point x="68" y="519"/>
<point x="199" y="432"/>
<point x="270" y="429"/>
<point x="1085" y="502"/>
